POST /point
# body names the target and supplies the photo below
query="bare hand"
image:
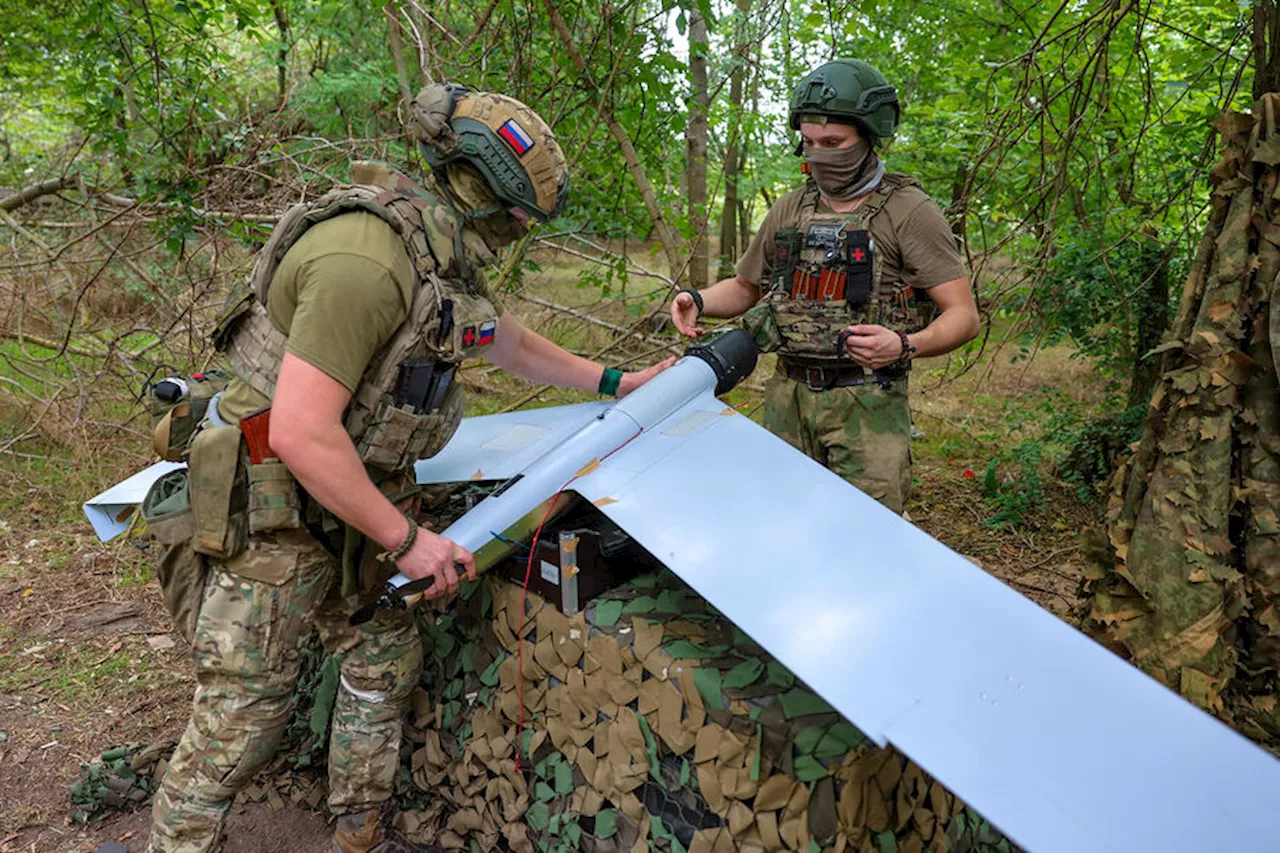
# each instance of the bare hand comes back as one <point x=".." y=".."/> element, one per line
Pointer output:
<point x="432" y="555"/>
<point x="684" y="314"/>
<point x="632" y="381"/>
<point x="873" y="346"/>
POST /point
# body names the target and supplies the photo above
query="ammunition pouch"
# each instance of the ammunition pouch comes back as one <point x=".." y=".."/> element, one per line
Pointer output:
<point x="273" y="498"/>
<point x="395" y="436"/>
<point x="181" y="572"/>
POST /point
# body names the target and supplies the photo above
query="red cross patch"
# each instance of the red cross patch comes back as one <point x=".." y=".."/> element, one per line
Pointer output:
<point x="469" y="336"/>
<point x="859" y="256"/>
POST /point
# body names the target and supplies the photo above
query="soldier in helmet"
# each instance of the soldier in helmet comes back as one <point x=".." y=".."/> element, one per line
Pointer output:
<point x="361" y="307"/>
<point x="849" y="278"/>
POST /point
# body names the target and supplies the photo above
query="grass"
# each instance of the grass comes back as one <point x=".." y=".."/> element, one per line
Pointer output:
<point x="70" y="672"/>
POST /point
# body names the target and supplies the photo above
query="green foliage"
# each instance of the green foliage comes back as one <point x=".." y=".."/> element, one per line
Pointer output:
<point x="1013" y="486"/>
<point x="1098" y="294"/>
<point x="1093" y="447"/>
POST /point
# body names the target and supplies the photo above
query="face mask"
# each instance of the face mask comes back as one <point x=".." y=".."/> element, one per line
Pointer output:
<point x="471" y="191"/>
<point x="498" y="229"/>
<point x="845" y="173"/>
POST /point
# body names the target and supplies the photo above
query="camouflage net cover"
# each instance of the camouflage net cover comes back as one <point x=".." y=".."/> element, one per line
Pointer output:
<point x="651" y="723"/>
<point x="123" y="777"/>
<point x="1190" y="591"/>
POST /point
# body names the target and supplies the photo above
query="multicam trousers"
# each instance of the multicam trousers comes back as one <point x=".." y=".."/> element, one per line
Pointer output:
<point x="254" y="620"/>
<point x="862" y="432"/>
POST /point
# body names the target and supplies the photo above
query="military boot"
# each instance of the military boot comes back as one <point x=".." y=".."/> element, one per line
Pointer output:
<point x="366" y="832"/>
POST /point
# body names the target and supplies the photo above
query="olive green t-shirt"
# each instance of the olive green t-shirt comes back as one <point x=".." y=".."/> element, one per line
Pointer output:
<point x="913" y="237"/>
<point x="339" y="295"/>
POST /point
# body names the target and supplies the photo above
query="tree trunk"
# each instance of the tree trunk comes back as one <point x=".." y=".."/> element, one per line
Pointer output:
<point x="282" y="52"/>
<point x="731" y="216"/>
<point x="732" y="211"/>
<point x="696" y="149"/>
<point x="1192" y="593"/>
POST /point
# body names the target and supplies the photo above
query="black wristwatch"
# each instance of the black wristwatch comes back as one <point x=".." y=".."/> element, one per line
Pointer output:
<point x="697" y="297"/>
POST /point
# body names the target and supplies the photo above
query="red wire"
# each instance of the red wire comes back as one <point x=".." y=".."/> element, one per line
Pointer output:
<point x="524" y="594"/>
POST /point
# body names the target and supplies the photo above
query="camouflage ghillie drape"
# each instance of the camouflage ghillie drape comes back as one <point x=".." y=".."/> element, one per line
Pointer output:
<point x="1191" y="594"/>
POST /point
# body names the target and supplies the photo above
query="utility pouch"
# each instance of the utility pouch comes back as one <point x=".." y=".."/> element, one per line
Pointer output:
<point x="761" y="324"/>
<point x="786" y="253"/>
<point x="273" y="498"/>
<point x="218" y="493"/>
<point x="859" y="248"/>
<point x="808" y="328"/>
<point x="178" y="404"/>
<point x="181" y="571"/>
<point x="397" y="437"/>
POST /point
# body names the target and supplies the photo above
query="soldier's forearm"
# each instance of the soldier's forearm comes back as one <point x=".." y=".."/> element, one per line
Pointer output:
<point x="729" y="297"/>
<point x="325" y="463"/>
<point x="952" y="328"/>
<point x="530" y="356"/>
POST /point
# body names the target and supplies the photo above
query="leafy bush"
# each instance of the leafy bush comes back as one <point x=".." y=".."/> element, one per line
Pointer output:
<point x="1092" y="449"/>
<point x="1019" y="494"/>
<point x="1108" y="295"/>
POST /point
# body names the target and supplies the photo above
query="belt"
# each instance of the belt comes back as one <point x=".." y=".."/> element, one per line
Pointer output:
<point x="818" y="378"/>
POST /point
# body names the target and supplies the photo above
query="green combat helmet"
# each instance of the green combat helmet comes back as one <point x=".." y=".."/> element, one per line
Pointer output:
<point x="849" y="91"/>
<point x="501" y="137"/>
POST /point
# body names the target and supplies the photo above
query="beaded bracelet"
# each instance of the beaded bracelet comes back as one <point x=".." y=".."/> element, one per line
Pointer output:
<point x="908" y="351"/>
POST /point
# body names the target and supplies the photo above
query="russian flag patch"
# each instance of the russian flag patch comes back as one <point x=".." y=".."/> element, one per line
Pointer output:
<point x="488" y="330"/>
<point x="515" y="136"/>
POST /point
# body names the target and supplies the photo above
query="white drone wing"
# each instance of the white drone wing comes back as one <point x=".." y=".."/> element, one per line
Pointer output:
<point x="1013" y="710"/>
<point x="496" y="447"/>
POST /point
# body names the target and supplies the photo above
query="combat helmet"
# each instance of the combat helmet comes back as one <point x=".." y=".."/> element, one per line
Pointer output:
<point x="849" y="91"/>
<point x="502" y="138"/>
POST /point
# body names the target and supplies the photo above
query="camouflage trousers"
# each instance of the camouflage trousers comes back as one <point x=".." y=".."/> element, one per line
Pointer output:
<point x="257" y="612"/>
<point x="862" y="432"/>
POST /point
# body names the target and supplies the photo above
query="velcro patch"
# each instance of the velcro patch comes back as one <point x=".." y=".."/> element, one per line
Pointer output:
<point x="515" y="136"/>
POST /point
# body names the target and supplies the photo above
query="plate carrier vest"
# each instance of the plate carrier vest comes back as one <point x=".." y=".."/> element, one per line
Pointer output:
<point x="447" y="321"/>
<point x="828" y="275"/>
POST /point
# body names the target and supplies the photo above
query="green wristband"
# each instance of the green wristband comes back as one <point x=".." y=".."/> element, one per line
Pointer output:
<point x="609" y="381"/>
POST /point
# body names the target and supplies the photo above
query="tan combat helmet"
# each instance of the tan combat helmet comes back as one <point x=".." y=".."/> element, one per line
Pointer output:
<point x="501" y="137"/>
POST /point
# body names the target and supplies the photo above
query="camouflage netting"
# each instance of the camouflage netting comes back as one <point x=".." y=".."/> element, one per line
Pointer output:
<point x="123" y="777"/>
<point x="1191" y="591"/>
<point x="651" y="723"/>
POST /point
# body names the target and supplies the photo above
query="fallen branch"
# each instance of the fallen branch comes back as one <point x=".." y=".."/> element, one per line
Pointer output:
<point x="35" y="191"/>
<point x="127" y="203"/>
